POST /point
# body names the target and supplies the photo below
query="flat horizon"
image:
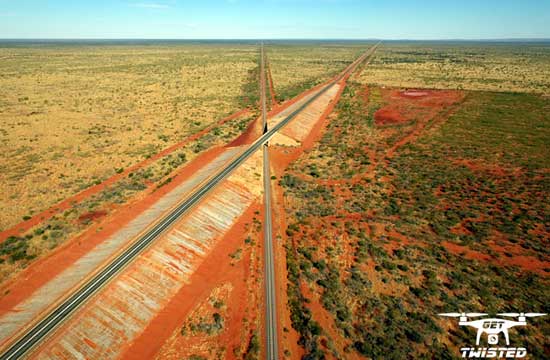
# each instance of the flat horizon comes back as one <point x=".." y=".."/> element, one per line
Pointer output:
<point x="273" y="39"/>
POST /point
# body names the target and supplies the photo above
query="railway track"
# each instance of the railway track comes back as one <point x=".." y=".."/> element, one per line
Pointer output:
<point x="45" y="326"/>
<point x="269" y="256"/>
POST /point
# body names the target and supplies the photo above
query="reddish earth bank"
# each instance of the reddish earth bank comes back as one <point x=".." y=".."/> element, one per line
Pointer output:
<point x="44" y="270"/>
<point x="146" y="295"/>
<point x="162" y="338"/>
<point x="388" y="116"/>
<point x="92" y="215"/>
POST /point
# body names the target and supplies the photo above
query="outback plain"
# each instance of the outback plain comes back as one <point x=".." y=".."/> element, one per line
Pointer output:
<point x="154" y="115"/>
<point x="74" y="116"/>
<point x="416" y="186"/>
<point x="427" y="193"/>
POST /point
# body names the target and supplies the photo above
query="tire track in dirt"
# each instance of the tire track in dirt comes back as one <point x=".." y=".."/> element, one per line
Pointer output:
<point x="271" y="85"/>
<point x="423" y="125"/>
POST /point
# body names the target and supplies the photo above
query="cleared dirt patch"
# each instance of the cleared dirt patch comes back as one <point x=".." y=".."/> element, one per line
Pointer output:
<point x="388" y="116"/>
<point x="414" y="94"/>
<point x="413" y="105"/>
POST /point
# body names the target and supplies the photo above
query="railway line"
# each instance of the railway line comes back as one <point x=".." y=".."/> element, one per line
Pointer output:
<point x="269" y="256"/>
<point x="45" y="326"/>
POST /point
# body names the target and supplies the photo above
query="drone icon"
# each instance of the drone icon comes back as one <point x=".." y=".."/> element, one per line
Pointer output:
<point x="492" y="326"/>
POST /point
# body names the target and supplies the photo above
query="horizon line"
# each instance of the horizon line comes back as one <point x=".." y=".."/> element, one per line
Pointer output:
<point x="278" y="39"/>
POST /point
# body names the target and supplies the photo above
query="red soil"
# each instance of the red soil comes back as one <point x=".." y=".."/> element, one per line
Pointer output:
<point x="271" y="87"/>
<point x="251" y="134"/>
<point x="493" y="169"/>
<point x="465" y="251"/>
<point x="43" y="270"/>
<point x="87" y="193"/>
<point x="459" y="229"/>
<point x="397" y="241"/>
<point x="91" y="216"/>
<point x="326" y="321"/>
<point x="516" y="256"/>
<point x="215" y="270"/>
<point x="421" y="105"/>
<point x="388" y="115"/>
<point x="431" y="107"/>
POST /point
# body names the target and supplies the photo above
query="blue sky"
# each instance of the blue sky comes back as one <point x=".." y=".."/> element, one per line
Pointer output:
<point x="265" y="19"/>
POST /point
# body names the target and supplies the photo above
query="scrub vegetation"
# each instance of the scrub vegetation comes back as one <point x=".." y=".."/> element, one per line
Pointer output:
<point x="297" y="67"/>
<point x="472" y="66"/>
<point x="18" y="251"/>
<point x="73" y="115"/>
<point x="390" y="223"/>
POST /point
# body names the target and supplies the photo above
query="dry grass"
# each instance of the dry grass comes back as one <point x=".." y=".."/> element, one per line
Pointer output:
<point x="18" y="252"/>
<point x="71" y="116"/>
<point x="298" y="67"/>
<point x="492" y="67"/>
